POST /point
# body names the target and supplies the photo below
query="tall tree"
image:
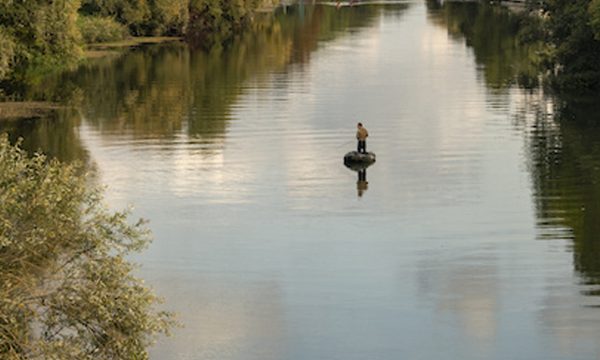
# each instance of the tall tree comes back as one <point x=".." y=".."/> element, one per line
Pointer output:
<point x="573" y="29"/>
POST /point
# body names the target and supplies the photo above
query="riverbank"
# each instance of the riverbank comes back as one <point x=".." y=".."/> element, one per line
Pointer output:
<point x="97" y="50"/>
<point x="17" y="110"/>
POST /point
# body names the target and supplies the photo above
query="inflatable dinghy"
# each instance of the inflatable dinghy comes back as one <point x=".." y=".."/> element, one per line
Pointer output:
<point x="354" y="159"/>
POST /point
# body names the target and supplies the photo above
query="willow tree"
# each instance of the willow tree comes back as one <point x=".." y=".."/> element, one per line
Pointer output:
<point x="66" y="288"/>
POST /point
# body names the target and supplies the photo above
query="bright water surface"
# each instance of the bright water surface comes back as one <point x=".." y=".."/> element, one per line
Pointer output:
<point x="475" y="237"/>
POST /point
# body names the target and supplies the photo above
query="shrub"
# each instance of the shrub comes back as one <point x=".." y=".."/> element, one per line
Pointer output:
<point x="134" y="14"/>
<point x="44" y="34"/>
<point x="213" y="21"/>
<point x="594" y="10"/>
<point x="66" y="288"/>
<point x="571" y="31"/>
<point x="55" y="29"/>
<point x="7" y="47"/>
<point x="171" y="16"/>
<point x="97" y="29"/>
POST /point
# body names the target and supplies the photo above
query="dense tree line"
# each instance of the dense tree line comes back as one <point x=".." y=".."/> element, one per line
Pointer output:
<point x="39" y="35"/>
<point x="572" y="28"/>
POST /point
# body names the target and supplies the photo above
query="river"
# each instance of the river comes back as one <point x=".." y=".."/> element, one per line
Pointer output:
<point x="474" y="236"/>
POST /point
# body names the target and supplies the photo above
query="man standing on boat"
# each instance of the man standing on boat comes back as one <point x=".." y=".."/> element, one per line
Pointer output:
<point x="361" y="136"/>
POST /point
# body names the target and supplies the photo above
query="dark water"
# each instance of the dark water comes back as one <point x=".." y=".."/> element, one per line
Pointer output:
<point x="476" y="236"/>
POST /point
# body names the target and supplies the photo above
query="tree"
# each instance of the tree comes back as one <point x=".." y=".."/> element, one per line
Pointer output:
<point x="44" y="35"/>
<point x="576" y="53"/>
<point x="142" y="17"/>
<point x="7" y="49"/>
<point x="212" y="21"/>
<point x="66" y="289"/>
<point x="595" y="17"/>
<point x="133" y="13"/>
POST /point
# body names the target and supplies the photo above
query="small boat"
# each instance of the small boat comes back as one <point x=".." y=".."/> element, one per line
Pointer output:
<point x="357" y="160"/>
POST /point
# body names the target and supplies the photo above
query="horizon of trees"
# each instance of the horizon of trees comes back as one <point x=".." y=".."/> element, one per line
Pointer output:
<point x="41" y="36"/>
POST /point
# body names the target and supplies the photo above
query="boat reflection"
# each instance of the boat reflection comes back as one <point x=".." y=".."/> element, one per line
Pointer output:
<point x="362" y="184"/>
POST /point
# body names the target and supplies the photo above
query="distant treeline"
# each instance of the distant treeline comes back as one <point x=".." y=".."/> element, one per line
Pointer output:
<point x="41" y="35"/>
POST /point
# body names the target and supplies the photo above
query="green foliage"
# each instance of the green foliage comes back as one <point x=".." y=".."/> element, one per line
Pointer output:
<point x="40" y="37"/>
<point x="169" y="17"/>
<point x="213" y="21"/>
<point x="7" y="52"/>
<point x="44" y="34"/>
<point x="56" y="32"/>
<point x="174" y="17"/>
<point x="595" y="18"/>
<point x="132" y="13"/>
<point x="95" y="29"/>
<point x="572" y="30"/>
<point x="143" y="17"/>
<point x="67" y="290"/>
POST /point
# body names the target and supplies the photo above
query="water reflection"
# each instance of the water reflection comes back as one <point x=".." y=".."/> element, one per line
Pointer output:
<point x="562" y="137"/>
<point x="562" y="133"/>
<point x="465" y="293"/>
<point x="228" y="320"/>
<point x="162" y="91"/>
<point x="493" y="34"/>
<point x="361" y="184"/>
<point x="56" y="134"/>
<point x="565" y="152"/>
<point x="262" y="247"/>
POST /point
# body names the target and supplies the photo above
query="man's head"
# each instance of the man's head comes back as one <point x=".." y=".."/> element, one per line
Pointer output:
<point x="359" y="125"/>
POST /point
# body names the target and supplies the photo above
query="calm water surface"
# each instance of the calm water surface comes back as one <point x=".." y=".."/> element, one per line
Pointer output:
<point x="475" y="237"/>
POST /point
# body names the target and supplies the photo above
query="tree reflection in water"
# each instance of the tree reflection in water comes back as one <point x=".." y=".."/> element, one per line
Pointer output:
<point x="494" y="35"/>
<point x="563" y="140"/>
<point x="566" y="176"/>
<point x="160" y="91"/>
